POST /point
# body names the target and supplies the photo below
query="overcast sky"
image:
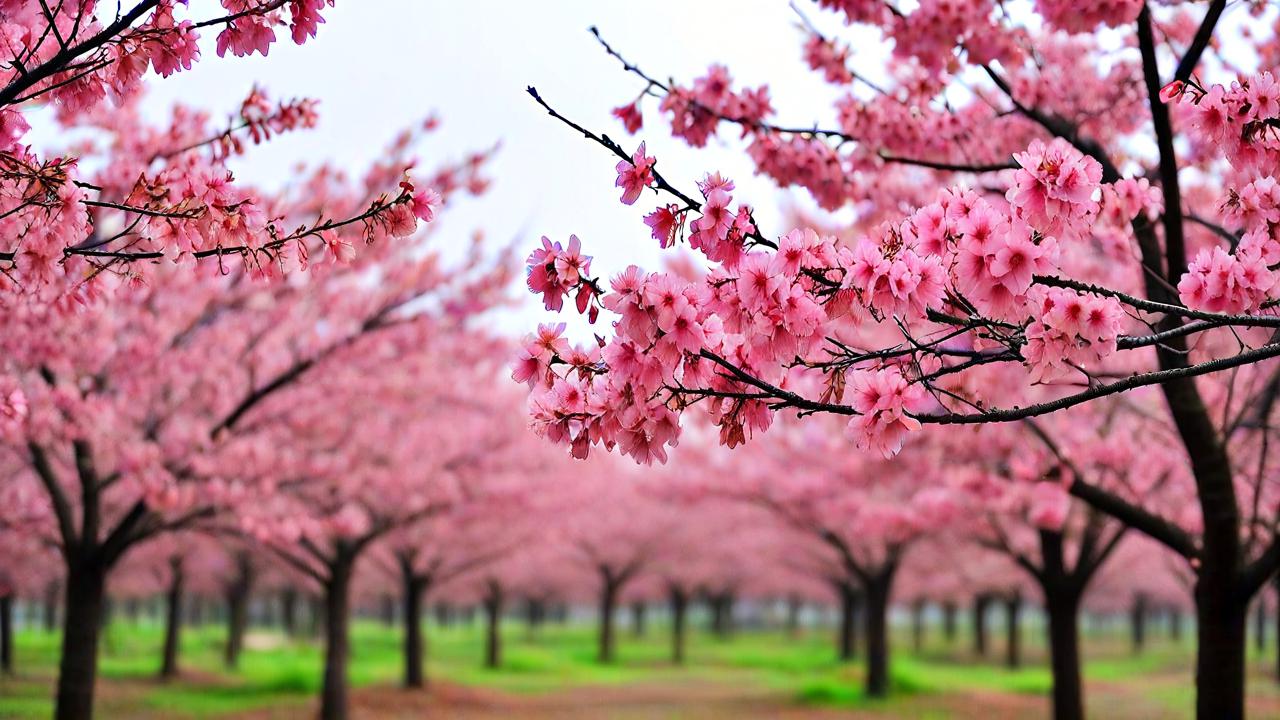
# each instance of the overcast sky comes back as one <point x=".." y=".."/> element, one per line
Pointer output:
<point x="381" y="65"/>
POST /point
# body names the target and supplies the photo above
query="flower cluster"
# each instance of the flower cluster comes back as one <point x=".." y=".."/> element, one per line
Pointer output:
<point x="1084" y="15"/>
<point x="1238" y="121"/>
<point x="885" y="400"/>
<point x="1071" y="331"/>
<point x="554" y="271"/>
<point x="833" y="61"/>
<point x="890" y="277"/>
<point x="720" y="233"/>
<point x="695" y="112"/>
<point x="932" y="31"/>
<point x="1055" y="189"/>
<point x="1219" y="281"/>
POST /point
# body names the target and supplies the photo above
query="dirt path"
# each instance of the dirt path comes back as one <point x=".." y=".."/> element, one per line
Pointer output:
<point x="666" y="701"/>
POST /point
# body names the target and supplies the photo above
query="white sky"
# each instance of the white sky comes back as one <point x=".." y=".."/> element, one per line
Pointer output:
<point x="381" y="65"/>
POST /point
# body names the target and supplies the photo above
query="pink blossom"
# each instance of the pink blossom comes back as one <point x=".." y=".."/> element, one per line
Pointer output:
<point x="635" y="175"/>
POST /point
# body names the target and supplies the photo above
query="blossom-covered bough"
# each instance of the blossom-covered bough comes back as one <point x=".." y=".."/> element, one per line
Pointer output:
<point x="161" y="196"/>
<point x="1043" y="219"/>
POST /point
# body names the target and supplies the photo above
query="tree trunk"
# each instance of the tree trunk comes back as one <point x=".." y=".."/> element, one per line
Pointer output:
<point x="980" y="603"/>
<point x="534" y="610"/>
<point x="173" y="619"/>
<point x="917" y="626"/>
<point x="238" y="609"/>
<point x="949" y="621"/>
<point x="637" y="618"/>
<point x="794" y="605"/>
<point x="493" y="625"/>
<point x="877" y="612"/>
<point x="721" y="605"/>
<point x="1138" y="622"/>
<point x="1260" y="624"/>
<point x="78" y="667"/>
<point x="1064" y="655"/>
<point x="847" y="641"/>
<point x="414" y="588"/>
<point x="1013" y="626"/>
<point x="334" y="703"/>
<point x="679" y="606"/>
<point x="1220" y="654"/>
<point x="608" y="603"/>
<point x="289" y="611"/>
<point x="50" y="614"/>
<point x="388" y="610"/>
<point x="6" y="634"/>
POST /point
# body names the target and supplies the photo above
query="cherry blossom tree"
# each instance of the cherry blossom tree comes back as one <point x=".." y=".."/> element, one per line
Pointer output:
<point x="108" y="327"/>
<point x="389" y="439"/>
<point x="866" y="512"/>
<point x="131" y="406"/>
<point x="1043" y="217"/>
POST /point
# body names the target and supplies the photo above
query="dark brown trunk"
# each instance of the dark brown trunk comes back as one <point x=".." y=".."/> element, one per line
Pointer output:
<point x="50" y="614"/>
<point x="173" y="619"/>
<point x="334" y="701"/>
<point x="534" y="612"/>
<point x="679" y="608"/>
<point x="917" y="626"/>
<point x="949" y="622"/>
<point x="980" y="604"/>
<point x="1138" y="622"/>
<point x="847" y="640"/>
<point x="608" y="603"/>
<point x="6" y="634"/>
<point x="388" y="610"/>
<point x="722" y="614"/>
<point x="1013" y="629"/>
<point x="413" y="588"/>
<point x="493" y="625"/>
<point x="794" y="606"/>
<point x="1260" y="624"/>
<point x="238" y="609"/>
<point x="637" y="618"/>
<point x="1220" y="653"/>
<point x="1063" y="609"/>
<point x="289" y="611"/>
<point x="877" y="617"/>
<point x="78" y="666"/>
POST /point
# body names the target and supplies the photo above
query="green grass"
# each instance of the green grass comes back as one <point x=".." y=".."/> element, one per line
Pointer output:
<point x="277" y="672"/>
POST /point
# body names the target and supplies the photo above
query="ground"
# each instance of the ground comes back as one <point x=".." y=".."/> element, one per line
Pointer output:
<point x="552" y="674"/>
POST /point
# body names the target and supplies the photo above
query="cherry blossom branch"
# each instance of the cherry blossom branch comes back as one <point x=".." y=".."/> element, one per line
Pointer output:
<point x="57" y="498"/>
<point x="1204" y="34"/>
<point x="1171" y="219"/>
<point x="28" y="78"/>
<point x="613" y="147"/>
<point x="1158" y="377"/>
<point x="949" y="167"/>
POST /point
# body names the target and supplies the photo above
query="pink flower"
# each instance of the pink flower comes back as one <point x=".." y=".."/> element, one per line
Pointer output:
<point x="635" y="175"/>
<point x="884" y="400"/>
<point x="630" y="116"/>
<point x="425" y="203"/>
<point x="664" y="222"/>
